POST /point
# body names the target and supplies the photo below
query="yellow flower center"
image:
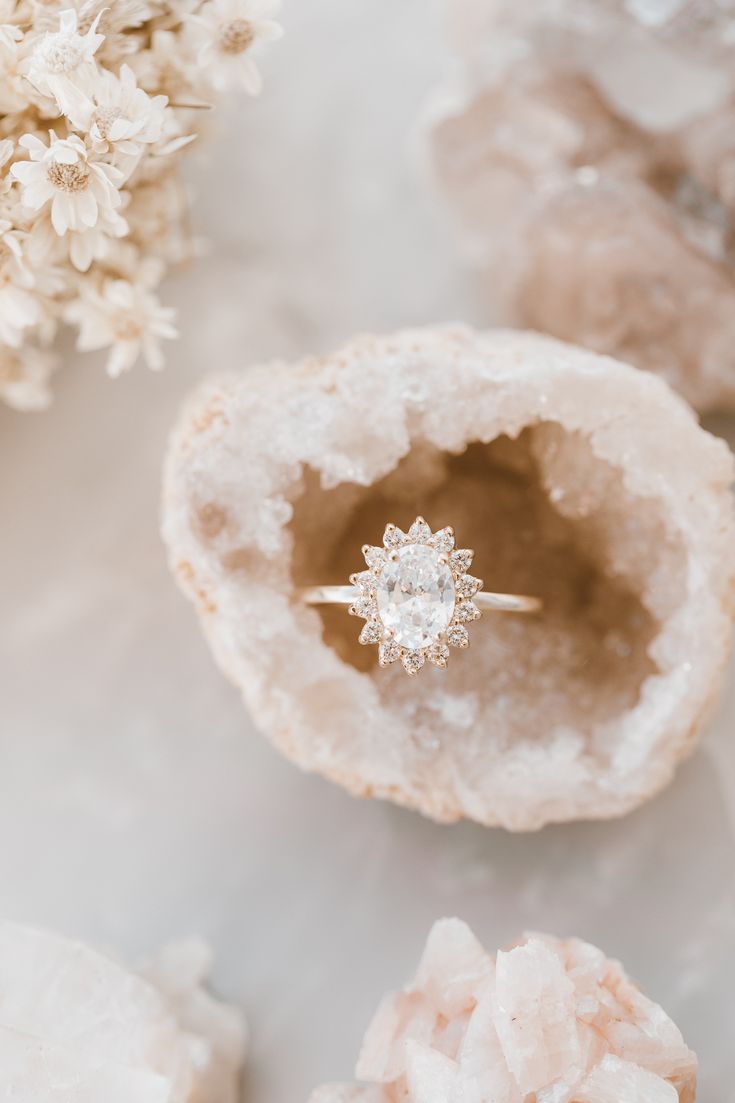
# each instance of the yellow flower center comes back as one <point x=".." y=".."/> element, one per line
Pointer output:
<point x="62" y="56"/>
<point x="104" y="117"/>
<point x="126" y="328"/>
<point x="70" y="178"/>
<point x="236" y="37"/>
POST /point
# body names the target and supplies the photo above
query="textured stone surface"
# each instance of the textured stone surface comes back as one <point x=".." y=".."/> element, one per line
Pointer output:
<point x="77" y="1027"/>
<point x="588" y="150"/>
<point x="572" y="477"/>
<point x="549" y="1020"/>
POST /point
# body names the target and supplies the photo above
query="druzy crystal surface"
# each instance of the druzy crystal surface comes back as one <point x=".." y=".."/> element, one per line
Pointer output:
<point x="416" y="595"/>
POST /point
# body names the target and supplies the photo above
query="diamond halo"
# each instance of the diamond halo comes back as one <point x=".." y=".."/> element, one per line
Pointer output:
<point x="416" y="596"/>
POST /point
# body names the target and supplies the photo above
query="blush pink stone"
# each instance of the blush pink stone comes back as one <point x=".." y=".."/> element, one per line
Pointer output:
<point x="587" y="149"/>
<point x="574" y="478"/>
<point x="550" y="1020"/>
<point x="78" y="1027"/>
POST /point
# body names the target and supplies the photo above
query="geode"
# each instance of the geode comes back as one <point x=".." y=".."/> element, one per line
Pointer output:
<point x="78" y="1027"/>
<point x="587" y="148"/>
<point x="548" y="1020"/>
<point x="574" y="478"/>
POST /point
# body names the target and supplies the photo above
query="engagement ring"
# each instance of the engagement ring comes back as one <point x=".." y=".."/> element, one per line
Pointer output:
<point x="416" y="596"/>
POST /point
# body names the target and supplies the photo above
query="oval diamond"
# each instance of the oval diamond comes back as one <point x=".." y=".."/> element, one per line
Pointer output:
<point x="415" y="594"/>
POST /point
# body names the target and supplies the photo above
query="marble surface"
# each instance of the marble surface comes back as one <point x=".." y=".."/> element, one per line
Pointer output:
<point x="136" y="801"/>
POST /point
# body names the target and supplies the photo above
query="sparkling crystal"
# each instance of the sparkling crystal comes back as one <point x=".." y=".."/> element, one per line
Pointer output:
<point x="364" y="580"/>
<point x="467" y="586"/>
<point x="363" y="607"/>
<point x="388" y="653"/>
<point x="412" y="662"/>
<point x="416" y="596"/>
<point x="458" y="636"/>
<point x="393" y="537"/>
<point x="443" y="540"/>
<point x="372" y="632"/>
<point x="439" y="654"/>
<point x="467" y="611"/>
<point x="419" y="531"/>
<point x="461" y="560"/>
<point x="374" y="557"/>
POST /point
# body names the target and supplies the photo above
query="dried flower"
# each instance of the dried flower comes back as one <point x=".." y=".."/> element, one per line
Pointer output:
<point x="62" y="64"/>
<point x="226" y="33"/>
<point x="124" y="316"/>
<point x="65" y="174"/>
<point x="97" y="101"/>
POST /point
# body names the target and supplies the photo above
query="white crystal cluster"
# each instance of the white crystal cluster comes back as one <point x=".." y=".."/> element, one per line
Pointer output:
<point x="573" y="478"/>
<point x="77" y="1027"/>
<point x="548" y="1021"/>
<point x="587" y="149"/>
<point x="97" y="101"/>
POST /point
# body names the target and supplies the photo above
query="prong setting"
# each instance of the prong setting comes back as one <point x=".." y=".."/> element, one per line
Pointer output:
<point x="414" y="567"/>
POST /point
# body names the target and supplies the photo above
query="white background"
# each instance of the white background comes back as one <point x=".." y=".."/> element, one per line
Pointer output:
<point x="137" y="803"/>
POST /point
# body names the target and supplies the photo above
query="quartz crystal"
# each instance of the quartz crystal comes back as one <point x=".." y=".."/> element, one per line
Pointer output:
<point x="587" y="151"/>
<point x="78" y="1027"/>
<point x="572" y="477"/>
<point x="416" y="595"/>
<point x="547" y="1020"/>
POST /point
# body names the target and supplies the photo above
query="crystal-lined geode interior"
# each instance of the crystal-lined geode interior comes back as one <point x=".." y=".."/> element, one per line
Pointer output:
<point x="573" y="478"/>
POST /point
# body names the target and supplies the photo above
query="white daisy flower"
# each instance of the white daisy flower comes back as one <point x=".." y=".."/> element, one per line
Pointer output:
<point x="124" y="316"/>
<point x="24" y="377"/>
<point x="226" y="33"/>
<point x="120" y="115"/>
<point x="65" y="174"/>
<point x="62" y="63"/>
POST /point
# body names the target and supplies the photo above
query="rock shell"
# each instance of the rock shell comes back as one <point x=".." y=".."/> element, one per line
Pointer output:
<point x="550" y="1020"/>
<point x="78" y="1027"/>
<point x="572" y="476"/>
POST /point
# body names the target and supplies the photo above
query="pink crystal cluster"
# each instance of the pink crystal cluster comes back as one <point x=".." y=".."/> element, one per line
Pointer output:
<point x="589" y="151"/>
<point x="547" y="1021"/>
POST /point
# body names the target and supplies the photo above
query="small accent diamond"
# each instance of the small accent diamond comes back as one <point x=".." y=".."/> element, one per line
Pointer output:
<point x="388" y="653"/>
<point x="443" y="540"/>
<point x="412" y="661"/>
<point x="466" y="611"/>
<point x="467" y="586"/>
<point x="461" y="560"/>
<point x="364" y="607"/>
<point x="458" y="636"/>
<point x="438" y="654"/>
<point x="372" y="632"/>
<point x="419" y="531"/>
<point x="374" y="557"/>
<point x="365" y="581"/>
<point x="393" y="537"/>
